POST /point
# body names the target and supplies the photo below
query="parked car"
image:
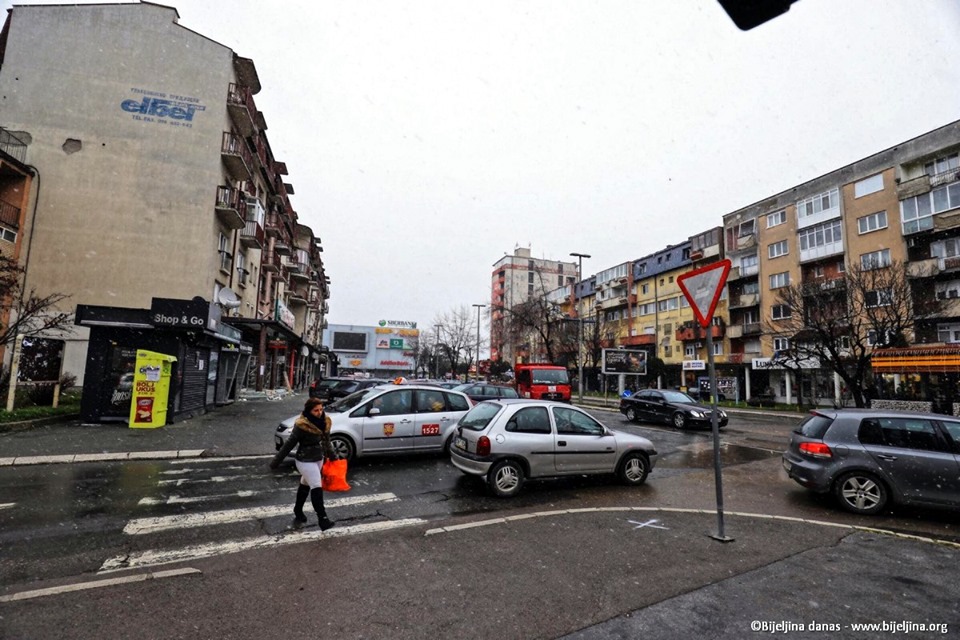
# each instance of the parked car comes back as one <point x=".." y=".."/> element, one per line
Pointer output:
<point x="670" y="407"/>
<point x="390" y="418"/>
<point x="450" y="384"/>
<point x="869" y="458"/>
<point x="352" y="385"/>
<point x="509" y="440"/>
<point x="703" y="396"/>
<point x="320" y="387"/>
<point x="479" y="391"/>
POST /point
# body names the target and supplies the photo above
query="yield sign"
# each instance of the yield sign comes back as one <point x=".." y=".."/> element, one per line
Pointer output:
<point x="703" y="287"/>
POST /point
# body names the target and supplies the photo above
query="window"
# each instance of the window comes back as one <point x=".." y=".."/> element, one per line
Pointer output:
<point x="868" y="186"/>
<point x="820" y="203"/>
<point x="559" y="281"/>
<point x="902" y="433"/>
<point x="394" y="403"/>
<point x="8" y="235"/>
<point x="644" y="289"/>
<point x="456" y="402"/>
<point x="879" y="338"/>
<point x="948" y="332"/>
<point x="821" y="235"/>
<point x="430" y="401"/>
<point x="530" y="276"/>
<point x="690" y="351"/>
<point x="949" y="248"/>
<point x="875" y="259"/>
<point x="872" y="222"/>
<point x="242" y="273"/>
<point x="781" y="344"/>
<point x="749" y="288"/>
<point x="748" y="264"/>
<point x="916" y="213"/>
<point x="779" y="280"/>
<point x="671" y="279"/>
<point x="686" y="254"/>
<point x="948" y="289"/>
<point x="225" y="256"/>
<point x="530" y="420"/>
<point x="773" y="219"/>
<point x="718" y="348"/>
<point x="530" y="265"/>
<point x="747" y="228"/>
<point x="575" y="423"/>
<point x="878" y="298"/>
<point x="942" y="165"/>
<point x="530" y="289"/>
<point x="818" y="271"/>
<point x="780" y="311"/>
<point x="777" y="249"/>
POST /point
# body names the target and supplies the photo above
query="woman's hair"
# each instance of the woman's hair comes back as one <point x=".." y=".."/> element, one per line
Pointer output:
<point x="311" y="403"/>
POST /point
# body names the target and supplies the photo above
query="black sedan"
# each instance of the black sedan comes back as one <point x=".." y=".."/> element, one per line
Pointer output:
<point x="670" y="407"/>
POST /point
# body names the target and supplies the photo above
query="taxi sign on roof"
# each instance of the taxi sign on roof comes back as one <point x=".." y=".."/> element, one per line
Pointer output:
<point x="703" y="287"/>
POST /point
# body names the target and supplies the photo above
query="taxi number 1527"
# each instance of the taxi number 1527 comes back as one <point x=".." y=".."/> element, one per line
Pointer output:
<point x="430" y="430"/>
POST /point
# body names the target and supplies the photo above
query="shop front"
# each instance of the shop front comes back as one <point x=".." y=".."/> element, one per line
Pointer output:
<point x="922" y="377"/>
<point x="210" y="357"/>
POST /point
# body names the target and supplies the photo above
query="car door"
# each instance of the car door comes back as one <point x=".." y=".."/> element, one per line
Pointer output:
<point x="913" y="456"/>
<point x="530" y="434"/>
<point x="434" y="419"/>
<point x="388" y="422"/>
<point x="582" y="443"/>
<point x="647" y="402"/>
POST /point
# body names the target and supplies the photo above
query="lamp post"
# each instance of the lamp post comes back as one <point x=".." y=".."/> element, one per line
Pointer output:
<point x="436" y="353"/>
<point x="478" y="306"/>
<point x="580" y="257"/>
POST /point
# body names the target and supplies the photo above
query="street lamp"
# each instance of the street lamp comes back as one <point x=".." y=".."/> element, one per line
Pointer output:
<point x="478" y="306"/>
<point x="436" y="354"/>
<point x="580" y="257"/>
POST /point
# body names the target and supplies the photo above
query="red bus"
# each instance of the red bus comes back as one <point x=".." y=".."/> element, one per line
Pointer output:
<point x="542" y="380"/>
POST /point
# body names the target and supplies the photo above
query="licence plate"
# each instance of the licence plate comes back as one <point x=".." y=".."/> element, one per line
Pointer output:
<point x="552" y="388"/>
<point x="460" y="443"/>
<point x="787" y="466"/>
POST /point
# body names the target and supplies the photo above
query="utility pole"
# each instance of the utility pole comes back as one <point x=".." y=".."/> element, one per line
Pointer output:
<point x="478" y="306"/>
<point x="580" y="257"/>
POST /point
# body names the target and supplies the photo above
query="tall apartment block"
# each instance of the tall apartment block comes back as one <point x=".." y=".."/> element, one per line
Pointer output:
<point x="156" y="204"/>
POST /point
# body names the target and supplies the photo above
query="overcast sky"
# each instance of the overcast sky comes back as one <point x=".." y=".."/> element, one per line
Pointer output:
<point x="427" y="139"/>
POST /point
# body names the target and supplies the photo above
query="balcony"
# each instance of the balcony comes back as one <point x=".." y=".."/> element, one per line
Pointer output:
<point x="314" y="300"/>
<point x="744" y="300"/>
<point x="746" y="242"/>
<point x="690" y="331"/>
<point x="9" y="215"/>
<point x="923" y="268"/>
<point x="742" y="329"/>
<point x="751" y="328"/>
<point x="13" y="146"/>
<point x="236" y="156"/>
<point x="252" y="236"/>
<point x="242" y="109"/>
<point x="270" y="262"/>
<point x="231" y="207"/>
<point x="942" y="308"/>
<point x="299" y="271"/>
<point x="821" y="251"/>
<point x="641" y="340"/>
<point x="295" y="297"/>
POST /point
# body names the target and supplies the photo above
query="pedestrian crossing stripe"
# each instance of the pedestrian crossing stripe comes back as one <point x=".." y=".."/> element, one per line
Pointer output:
<point x="143" y="526"/>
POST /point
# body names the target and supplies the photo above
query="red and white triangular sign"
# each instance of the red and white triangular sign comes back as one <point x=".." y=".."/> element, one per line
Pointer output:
<point x="703" y="287"/>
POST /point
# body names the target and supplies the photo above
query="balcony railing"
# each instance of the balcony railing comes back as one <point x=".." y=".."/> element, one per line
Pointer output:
<point x="946" y="177"/>
<point x="270" y="261"/>
<point x="231" y="207"/>
<point x="236" y="156"/>
<point x="9" y="215"/>
<point x="689" y="331"/>
<point x="252" y="235"/>
<point x="13" y="146"/>
<point x="242" y="108"/>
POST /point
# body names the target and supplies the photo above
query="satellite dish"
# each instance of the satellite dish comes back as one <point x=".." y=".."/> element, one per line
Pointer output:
<point x="227" y="298"/>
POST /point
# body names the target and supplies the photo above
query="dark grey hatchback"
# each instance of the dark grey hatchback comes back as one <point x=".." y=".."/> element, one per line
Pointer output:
<point x="869" y="458"/>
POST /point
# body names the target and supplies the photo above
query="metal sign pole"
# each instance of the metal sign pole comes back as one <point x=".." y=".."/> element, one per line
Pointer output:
<point x="716" y="438"/>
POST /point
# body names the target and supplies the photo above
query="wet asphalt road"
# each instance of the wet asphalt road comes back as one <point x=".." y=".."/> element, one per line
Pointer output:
<point x="586" y="557"/>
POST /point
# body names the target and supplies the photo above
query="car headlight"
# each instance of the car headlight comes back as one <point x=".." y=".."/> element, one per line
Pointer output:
<point x="697" y="414"/>
<point x="280" y="428"/>
<point x="723" y="414"/>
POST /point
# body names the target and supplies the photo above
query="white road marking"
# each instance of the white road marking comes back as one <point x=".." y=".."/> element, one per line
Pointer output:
<point x="143" y="526"/>
<point x="96" y="584"/>
<point x="182" y="481"/>
<point x="8" y="505"/>
<point x="158" y="557"/>
<point x="195" y="499"/>
<point x="180" y="472"/>
<point x="649" y="523"/>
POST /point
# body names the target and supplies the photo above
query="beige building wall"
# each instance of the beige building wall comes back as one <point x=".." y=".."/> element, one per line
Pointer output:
<point x="769" y="236"/>
<point x="856" y="208"/>
<point x="121" y="191"/>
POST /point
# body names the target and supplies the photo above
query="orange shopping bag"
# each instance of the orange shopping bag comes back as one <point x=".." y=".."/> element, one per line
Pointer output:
<point x="334" y="474"/>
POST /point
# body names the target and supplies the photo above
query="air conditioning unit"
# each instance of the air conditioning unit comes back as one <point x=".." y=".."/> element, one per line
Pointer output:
<point x="911" y="242"/>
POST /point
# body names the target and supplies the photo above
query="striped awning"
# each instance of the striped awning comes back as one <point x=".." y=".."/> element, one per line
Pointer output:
<point x="918" y="359"/>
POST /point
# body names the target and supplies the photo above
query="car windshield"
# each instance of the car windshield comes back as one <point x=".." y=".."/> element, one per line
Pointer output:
<point x="480" y="416"/>
<point x="678" y="396"/>
<point x="550" y="376"/>
<point x="349" y="402"/>
<point x="328" y="383"/>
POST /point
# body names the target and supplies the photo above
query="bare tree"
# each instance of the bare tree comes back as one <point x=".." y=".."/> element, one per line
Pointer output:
<point x="541" y="324"/>
<point x="836" y="324"/>
<point x="25" y="313"/>
<point x="458" y="340"/>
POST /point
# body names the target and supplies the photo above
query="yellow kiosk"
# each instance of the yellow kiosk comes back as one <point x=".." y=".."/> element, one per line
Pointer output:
<point x="151" y="390"/>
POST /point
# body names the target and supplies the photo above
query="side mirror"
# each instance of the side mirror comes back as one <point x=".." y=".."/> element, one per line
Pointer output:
<point x="374" y="411"/>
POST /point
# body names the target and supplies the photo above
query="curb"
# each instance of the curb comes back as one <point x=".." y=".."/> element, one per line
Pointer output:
<point x="102" y="457"/>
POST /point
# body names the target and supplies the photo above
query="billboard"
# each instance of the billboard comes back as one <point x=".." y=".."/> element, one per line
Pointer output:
<point x="628" y="361"/>
<point x="349" y="341"/>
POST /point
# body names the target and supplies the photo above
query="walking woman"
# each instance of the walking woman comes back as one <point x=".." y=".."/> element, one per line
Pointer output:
<point x="311" y="436"/>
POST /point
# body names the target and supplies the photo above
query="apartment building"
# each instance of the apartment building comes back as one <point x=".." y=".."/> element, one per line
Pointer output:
<point x="15" y="188"/>
<point x="897" y="205"/>
<point x="517" y="278"/>
<point x="163" y="213"/>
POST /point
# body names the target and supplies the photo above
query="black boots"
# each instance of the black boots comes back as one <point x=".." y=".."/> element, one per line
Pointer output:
<point x="298" y="515"/>
<point x="316" y="497"/>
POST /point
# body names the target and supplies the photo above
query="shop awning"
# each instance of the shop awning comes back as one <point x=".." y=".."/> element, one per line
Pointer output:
<point x="918" y="359"/>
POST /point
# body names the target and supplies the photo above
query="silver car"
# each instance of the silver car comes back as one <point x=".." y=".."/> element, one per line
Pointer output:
<point x="510" y="440"/>
<point x="390" y="418"/>
<point x="870" y="458"/>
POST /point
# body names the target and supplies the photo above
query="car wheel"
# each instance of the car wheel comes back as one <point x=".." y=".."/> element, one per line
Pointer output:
<point x="505" y="478"/>
<point x="632" y="414"/>
<point x="342" y="446"/>
<point x="679" y="420"/>
<point x="861" y="492"/>
<point x="634" y="469"/>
